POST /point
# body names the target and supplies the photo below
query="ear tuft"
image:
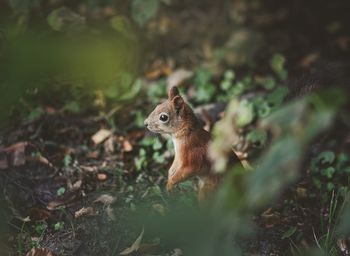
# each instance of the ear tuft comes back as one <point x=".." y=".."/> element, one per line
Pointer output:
<point x="173" y="92"/>
<point x="178" y="102"/>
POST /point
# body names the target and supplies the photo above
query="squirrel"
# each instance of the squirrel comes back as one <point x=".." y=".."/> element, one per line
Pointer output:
<point x="176" y="118"/>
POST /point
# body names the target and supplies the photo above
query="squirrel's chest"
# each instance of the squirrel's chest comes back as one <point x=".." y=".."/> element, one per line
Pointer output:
<point x="187" y="155"/>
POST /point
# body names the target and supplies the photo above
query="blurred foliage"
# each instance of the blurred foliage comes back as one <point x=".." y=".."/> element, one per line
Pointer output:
<point x="71" y="56"/>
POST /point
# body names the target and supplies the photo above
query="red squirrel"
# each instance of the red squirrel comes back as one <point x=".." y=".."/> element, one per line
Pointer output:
<point x="176" y="118"/>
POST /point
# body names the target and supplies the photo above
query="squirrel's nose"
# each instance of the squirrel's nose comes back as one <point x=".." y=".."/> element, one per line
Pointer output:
<point x="146" y="122"/>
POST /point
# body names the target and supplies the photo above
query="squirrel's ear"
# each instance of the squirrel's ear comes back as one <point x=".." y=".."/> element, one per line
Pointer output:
<point x="173" y="92"/>
<point x="178" y="102"/>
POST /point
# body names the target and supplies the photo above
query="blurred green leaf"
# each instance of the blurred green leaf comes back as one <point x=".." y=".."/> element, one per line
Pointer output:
<point x="278" y="65"/>
<point x="64" y="19"/>
<point x="328" y="172"/>
<point x="257" y="137"/>
<point x="142" y="11"/>
<point x="61" y="191"/>
<point x="67" y="160"/>
<point x="289" y="232"/>
<point x="245" y="113"/>
<point x="157" y="144"/>
<point x="36" y="113"/>
<point x="326" y="157"/>
<point x="202" y="77"/>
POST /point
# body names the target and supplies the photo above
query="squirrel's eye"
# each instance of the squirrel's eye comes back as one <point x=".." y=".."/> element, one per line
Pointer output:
<point x="163" y="117"/>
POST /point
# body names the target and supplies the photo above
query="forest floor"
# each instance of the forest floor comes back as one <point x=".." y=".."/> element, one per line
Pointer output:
<point x="78" y="176"/>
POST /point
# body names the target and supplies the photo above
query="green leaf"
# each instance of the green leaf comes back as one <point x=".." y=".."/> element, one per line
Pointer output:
<point x="269" y="83"/>
<point x="59" y="226"/>
<point x="64" y="19"/>
<point x="67" y="160"/>
<point x="142" y="11"/>
<point x="328" y="172"/>
<point x="326" y="157"/>
<point x="225" y="85"/>
<point x="122" y="25"/>
<point x="36" y="113"/>
<point x="277" y="96"/>
<point x="141" y="160"/>
<point x="202" y="77"/>
<point x="245" y="113"/>
<point x="157" y="144"/>
<point x="61" y="191"/>
<point x="277" y="64"/>
<point x="158" y="158"/>
<point x="330" y="186"/>
<point x="264" y="109"/>
<point x="289" y="232"/>
<point x="257" y="137"/>
<point x="229" y="75"/>
<point x="72" y="106"/>
<point x="204" y="94"/>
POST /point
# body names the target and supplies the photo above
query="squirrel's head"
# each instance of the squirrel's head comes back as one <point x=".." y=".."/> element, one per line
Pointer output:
<point x="171" y="116"/>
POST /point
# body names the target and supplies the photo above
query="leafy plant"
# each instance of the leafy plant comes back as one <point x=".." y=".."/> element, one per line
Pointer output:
<point x="59" y="226"/>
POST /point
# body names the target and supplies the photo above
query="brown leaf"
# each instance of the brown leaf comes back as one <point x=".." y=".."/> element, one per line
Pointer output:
<point x="178" y="77"/>
<point x="38" y="214"/>
<point x="109" y="145"/>
<point x="93" y="154"/>
<point x="18" y="153"/>
<point x="135" y="246"/>
<point x="39" y="252"/>
<point x="85" y="211"/>
<point x="127" y="146"/>
<point x="66" y="200"/>
<point x="309" y="59"/>
<point x="101" y="136"/>
<point x="40" y="159"/>
<point x="270" y="218"/>
<point x="105" y="199"/>
<point x="102" y="176"/>
<point x="50" y="110"/>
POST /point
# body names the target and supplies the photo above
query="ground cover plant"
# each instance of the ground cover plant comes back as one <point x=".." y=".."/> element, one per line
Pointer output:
<point x="80" y="174"/>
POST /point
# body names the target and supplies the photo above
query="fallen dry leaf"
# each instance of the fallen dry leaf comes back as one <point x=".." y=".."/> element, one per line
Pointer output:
<point x="309" y="59"/>
<point x="85" y="211"/>
<point x="178" y="77"/>
<point x="40" y="159"/>
<point x="270" y="218"/>
<point x="109" y="145"/>
<point x="66" y="200"/>
<point x="127" y="146"/>
<point x="135" y="246"/>
<point x="18" y="153"/>
<point x="105" y="199"/>
<point x="38" y="214"/>
<point x="102" y="176"/>
<point x="159" y="68"/>
<point x="100" y="136"/>
<point x="89" y="168"/>
<point x="39" y="252"/>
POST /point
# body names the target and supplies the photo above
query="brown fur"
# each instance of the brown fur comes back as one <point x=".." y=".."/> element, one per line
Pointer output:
<point x="190" y="142"/>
